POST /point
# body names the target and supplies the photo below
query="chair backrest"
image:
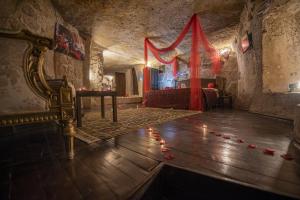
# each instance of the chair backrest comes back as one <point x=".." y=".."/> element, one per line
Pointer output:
<point x="29" y="97"/>
<point x="221" y="85"/>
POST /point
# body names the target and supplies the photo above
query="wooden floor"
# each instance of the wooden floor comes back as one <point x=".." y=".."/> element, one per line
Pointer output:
<point x="33" y="165"/>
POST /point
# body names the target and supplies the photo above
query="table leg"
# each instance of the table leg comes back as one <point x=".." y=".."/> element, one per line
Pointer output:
<point x="78" y="111"/>
<point x="114" y="105"/>
<point x="102" y="107"/>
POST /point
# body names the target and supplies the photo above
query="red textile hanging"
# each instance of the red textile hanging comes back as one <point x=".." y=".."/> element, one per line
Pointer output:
<point x="195" y="83"/>
<point x="155" y="53"/>
<point x="212" y="52"/>
<point x="175" y="67"/>
<point x="197" y="37"/>
<point x="146" y="79"/>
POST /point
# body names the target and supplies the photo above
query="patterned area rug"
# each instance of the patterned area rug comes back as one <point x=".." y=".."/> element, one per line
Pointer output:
<point x="94" y="128"/>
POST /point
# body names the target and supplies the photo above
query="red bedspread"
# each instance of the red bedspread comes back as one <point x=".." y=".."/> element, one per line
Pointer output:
<point x="178" y="98"/>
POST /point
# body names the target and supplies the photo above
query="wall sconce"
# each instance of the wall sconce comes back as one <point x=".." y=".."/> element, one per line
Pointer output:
<point x="225" y="52"/>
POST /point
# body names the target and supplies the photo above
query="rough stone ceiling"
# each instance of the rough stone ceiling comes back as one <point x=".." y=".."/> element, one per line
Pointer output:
<point x="120" y="26"/>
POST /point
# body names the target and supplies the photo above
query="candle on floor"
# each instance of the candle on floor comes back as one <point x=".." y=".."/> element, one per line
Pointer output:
<point x="204" y="126"/>
<point x="164" y="149"/>
<point x="150" y="129"/>
<point x="162" y="142"/>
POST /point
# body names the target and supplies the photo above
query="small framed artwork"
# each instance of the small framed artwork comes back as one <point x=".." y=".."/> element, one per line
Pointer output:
<point x="246" y="42"/>
<point x="68" y="42"/>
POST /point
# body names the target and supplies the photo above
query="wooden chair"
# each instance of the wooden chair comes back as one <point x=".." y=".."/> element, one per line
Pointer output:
<point x="223" y="96"/>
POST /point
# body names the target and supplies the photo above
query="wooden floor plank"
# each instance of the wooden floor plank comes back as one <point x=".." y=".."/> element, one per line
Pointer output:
<point x="116" y="168"/>
<point x="89" y="185"/>
<point x="241" y="158"/>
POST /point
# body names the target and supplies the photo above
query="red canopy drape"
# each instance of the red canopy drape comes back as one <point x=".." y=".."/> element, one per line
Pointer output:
<point x="197" y="37"/>
<point x="146" y="73"/>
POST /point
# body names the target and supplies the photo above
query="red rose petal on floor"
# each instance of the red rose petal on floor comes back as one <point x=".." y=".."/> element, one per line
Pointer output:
<point x="240" y="141"/>
<point x="269" y="151"/>
<point x="211" y="132"/>
<point x="252" y="146"/>
<point x="287" y="156"/>
<point x="219" y="134"/>
<point x="169" y="157"/>
<point x="226" y="137"/>
<point x="157" y="139"/>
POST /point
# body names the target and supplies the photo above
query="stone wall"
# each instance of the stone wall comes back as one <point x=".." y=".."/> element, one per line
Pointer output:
<point x="96" y="71"/>
<point x="281" y="46"/>
<point x="72" y="68"/>
<point x="96" y="66"/>
<point x="250" y="83"/>
<point x="39" y="17"/>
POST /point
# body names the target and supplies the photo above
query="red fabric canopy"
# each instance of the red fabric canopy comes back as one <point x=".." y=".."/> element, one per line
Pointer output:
<point x="146" y="73"/>
<point x="197" y="37"/>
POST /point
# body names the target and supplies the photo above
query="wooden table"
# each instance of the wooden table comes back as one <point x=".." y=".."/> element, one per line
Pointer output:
<point x="101" y="94"/>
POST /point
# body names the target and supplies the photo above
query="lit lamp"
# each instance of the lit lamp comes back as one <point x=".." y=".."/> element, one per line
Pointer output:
<point x="225" y="52"/>
<point x="204" y="126"/>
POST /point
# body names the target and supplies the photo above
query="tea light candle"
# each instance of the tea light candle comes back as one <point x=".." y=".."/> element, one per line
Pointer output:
<point x="204" y="126"/>
<point x="162" y="142"/>
<point x="164" y="149"/>
<point x="150" y="129"/>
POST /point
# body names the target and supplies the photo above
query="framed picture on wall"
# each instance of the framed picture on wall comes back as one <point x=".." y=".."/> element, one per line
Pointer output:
<point x="246" y="42"/>
<point x="68" y="42"/>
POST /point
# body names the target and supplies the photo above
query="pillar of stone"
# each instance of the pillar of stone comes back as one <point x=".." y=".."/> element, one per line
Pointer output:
<point x="297" y="125"/>
<point x="86" y="72"/>
<point x="96" y="71"/>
